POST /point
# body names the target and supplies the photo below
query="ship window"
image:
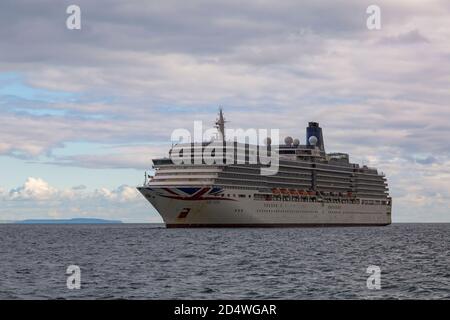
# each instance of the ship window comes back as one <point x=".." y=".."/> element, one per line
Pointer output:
<point x="242" y="196"/>
<point x="287" y="152"/>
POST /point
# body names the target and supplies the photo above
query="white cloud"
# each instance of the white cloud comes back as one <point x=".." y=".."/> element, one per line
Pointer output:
<point x="39" y="190"/>
<point x="37" y="199"/>
<point x="33" y="189"/>
<point x="123" y="193"/>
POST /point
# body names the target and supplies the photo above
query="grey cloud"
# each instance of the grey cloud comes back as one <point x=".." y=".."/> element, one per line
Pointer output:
<point x="80" y="187"/>
<point x="428" y="160"/>
<point x="119" y="157"/>
<point x="411" y="37"/>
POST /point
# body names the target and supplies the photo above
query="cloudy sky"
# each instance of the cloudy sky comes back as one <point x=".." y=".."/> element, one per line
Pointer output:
<point x="82" y="112"/>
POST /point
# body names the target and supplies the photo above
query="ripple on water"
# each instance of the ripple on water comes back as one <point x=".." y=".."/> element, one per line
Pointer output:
<point x="144" y="261"/>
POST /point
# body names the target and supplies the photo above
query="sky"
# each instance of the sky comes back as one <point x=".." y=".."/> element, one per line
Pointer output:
<point x="83" y="112"/>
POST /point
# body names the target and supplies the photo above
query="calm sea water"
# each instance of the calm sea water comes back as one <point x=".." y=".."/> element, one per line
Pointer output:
<point x="141" y="261"/>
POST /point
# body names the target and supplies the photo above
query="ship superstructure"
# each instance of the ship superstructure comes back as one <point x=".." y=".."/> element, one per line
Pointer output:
<point x="310" y="188"/>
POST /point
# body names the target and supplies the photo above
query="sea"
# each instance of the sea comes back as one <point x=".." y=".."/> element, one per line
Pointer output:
<point x="148" y="261"/>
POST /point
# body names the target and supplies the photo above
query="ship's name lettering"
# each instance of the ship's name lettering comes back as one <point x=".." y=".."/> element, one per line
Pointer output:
<point x="335" y="207"/>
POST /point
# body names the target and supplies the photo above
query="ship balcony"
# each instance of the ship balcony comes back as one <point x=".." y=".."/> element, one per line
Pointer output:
<point x="184" y="176"/>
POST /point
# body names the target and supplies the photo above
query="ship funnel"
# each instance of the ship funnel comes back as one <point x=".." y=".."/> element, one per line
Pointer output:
<point x="313" y="130"/>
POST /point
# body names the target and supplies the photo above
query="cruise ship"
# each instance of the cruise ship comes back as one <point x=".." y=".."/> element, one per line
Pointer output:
<point x="311" y="188"/>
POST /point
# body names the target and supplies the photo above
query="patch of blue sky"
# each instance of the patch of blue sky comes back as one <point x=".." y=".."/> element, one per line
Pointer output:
<point x="41" y="112"/>
<point x="88" y="116"/>
<point x="18" y="170"/>
<point x="17" y="97"/>
<point x="12" y="84"/>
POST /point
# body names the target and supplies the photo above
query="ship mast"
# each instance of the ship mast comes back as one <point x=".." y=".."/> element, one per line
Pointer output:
<point x="220" y="125"/>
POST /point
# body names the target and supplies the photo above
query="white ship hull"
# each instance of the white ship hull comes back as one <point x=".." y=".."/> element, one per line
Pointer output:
<point x="240" y="209"/>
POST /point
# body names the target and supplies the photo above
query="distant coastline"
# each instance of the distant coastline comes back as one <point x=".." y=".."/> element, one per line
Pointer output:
<point x="65" y="221"/>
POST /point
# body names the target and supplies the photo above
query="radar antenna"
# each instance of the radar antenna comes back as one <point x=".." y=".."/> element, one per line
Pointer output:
<point x="220" y="125"/>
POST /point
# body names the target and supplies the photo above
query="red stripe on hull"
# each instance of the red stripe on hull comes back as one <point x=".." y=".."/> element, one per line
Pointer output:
<point x="277" y="225"/>
<point x="170" y="191"/>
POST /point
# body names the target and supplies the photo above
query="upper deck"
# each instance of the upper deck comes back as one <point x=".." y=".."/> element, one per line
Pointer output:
<point x="233" y="164"/>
